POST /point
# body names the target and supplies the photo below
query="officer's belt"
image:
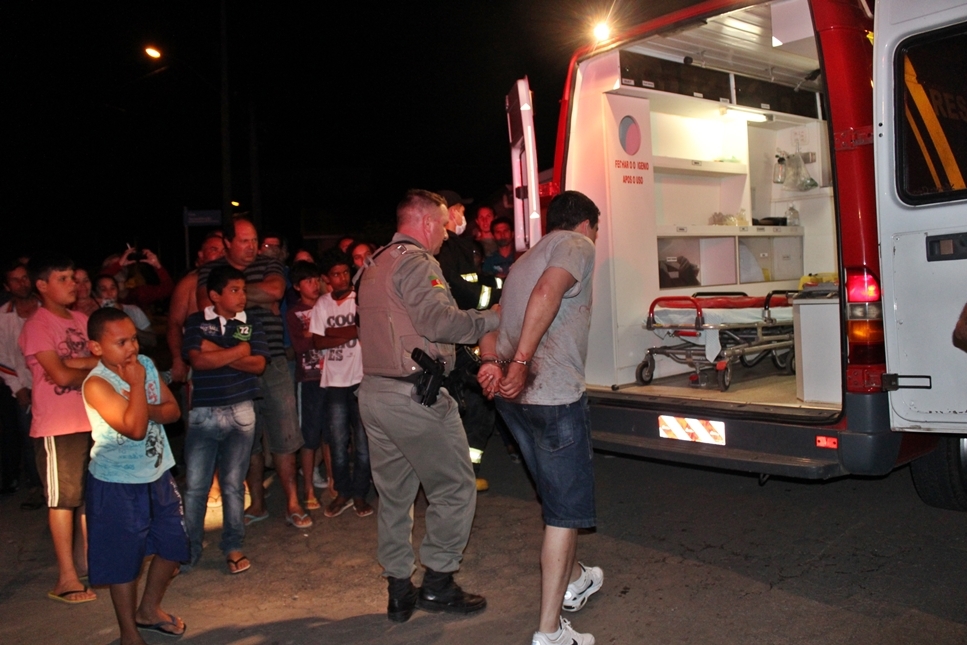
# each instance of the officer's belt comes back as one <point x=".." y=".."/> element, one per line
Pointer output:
<point x="412" y="378"/>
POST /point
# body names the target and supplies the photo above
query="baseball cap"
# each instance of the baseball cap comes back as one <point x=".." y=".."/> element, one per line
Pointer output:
<point x="453" y="198"/>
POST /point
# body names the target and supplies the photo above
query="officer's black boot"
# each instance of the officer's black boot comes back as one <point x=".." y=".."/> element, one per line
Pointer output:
<point x="402" y="599"/>
<point x="440" y="593"/>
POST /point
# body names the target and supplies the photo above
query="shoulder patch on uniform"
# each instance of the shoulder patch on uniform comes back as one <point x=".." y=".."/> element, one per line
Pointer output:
<point x="437" y="282"/>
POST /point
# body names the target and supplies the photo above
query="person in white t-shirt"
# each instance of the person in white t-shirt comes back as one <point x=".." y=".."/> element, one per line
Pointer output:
<point x="333" y="328"/>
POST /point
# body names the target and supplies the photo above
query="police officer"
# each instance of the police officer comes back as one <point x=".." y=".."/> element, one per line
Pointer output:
<point x="403" y="303"/>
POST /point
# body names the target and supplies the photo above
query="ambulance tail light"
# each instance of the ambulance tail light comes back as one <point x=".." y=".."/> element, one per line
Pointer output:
<point x="864" y="318"/>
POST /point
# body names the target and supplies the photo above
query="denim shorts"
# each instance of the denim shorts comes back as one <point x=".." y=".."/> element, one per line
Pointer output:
<point x="312" y="414"/>
<point x="555" y="441"/>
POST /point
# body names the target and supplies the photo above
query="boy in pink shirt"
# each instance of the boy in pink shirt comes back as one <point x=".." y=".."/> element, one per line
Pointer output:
<point x="54" y="344"/>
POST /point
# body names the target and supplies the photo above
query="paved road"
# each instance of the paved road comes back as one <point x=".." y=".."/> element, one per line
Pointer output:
<point x="690" y="556"/>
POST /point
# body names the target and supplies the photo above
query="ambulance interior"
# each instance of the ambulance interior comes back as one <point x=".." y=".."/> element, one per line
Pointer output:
<point x="714" y="179"/>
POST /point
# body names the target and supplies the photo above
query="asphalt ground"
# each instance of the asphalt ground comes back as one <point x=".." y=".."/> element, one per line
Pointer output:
<point x="690" y="556"/>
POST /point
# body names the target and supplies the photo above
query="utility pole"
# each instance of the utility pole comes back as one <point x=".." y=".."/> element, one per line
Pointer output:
<point x="226" y="131"/>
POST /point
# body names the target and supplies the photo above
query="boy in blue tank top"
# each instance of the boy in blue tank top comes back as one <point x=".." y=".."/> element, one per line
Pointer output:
<point x="134" y="508"/>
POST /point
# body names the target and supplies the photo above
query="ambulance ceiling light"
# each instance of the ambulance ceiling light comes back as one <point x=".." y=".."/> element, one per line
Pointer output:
<point x="602" y="32"/>
<point x="738" y="114"/>
<point x="791" y="21"/>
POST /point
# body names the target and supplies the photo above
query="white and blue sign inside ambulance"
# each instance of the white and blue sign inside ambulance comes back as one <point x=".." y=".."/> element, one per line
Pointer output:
<point x="743" y="316"/>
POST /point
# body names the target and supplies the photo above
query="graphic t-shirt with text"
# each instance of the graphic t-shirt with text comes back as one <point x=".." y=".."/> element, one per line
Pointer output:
<point x="343" y="366"/>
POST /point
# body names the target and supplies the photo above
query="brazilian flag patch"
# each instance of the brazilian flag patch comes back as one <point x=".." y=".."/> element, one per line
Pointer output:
<point x="243" y="333"/>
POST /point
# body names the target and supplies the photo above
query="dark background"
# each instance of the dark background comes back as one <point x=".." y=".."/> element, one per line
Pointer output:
<point x="351" y="103"/>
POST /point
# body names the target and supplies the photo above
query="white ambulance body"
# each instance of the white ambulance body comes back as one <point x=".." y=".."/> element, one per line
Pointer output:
<point x="675" y="130"/>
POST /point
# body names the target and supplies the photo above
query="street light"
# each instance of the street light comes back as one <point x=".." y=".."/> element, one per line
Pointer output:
<point x="155" y="53"/>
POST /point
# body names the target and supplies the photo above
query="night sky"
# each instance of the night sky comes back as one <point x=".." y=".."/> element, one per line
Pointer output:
<point x="352" y="104"/>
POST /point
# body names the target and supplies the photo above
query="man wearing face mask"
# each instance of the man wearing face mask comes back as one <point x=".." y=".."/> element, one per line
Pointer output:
<point x="460" y="261"/>
<point x="459" y="258"/>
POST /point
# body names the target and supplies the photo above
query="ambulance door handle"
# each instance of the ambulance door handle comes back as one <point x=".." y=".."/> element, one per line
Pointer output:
<point x="952" y="246"/>
<point x="891" y="382"/>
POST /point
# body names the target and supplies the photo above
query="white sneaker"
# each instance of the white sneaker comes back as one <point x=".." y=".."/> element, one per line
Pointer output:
<point x="581" y="589"/>
<point x="318" y="480"/>
<point x="565" y="636"/>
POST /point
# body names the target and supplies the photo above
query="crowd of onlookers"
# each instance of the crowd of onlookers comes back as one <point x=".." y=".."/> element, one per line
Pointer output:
<point x="260" y="353"/>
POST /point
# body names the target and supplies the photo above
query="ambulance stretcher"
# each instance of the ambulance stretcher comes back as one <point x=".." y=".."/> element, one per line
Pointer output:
<point x="718" y="329"/>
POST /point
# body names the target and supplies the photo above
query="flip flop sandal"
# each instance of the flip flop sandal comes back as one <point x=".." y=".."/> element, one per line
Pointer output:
<point x="252" y="519"/>
<point x="235" y="566"/>
<point x="362" y="508"/>
<point x="337" y="506"/>
<point x="160" y="627"/>
<point x="63" y="597"/>
<point x="299" y="520"/>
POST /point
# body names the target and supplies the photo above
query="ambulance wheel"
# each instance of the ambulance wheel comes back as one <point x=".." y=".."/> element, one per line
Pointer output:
<point x="781" y="361"/>
<point x="645" y="371"/>
<point x="940" y="477"/>
<point x="725" y="377"/>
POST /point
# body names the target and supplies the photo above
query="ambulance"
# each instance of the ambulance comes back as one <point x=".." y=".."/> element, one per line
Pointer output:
<point x="782" y="253"/>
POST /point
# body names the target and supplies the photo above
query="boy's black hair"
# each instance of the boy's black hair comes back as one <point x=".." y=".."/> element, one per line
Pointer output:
<point x="569" y="209"/>
<point x="302" y="270"/>
<point x="42" y="266"/>
<point x="221" y="276"/>
<point x="333" y="257"/>
<point x="100" y="318"/>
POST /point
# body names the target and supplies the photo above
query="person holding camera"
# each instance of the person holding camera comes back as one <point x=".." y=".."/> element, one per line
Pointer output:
<point x="135" y="286"/>
<point x="403" y="303"/>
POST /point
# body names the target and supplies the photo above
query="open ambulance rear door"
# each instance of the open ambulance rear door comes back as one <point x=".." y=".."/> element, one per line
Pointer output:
<point x="523" y="160"/>
<point x="920" y="143"/>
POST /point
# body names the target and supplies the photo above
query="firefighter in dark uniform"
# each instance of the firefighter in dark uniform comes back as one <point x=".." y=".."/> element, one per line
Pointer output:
<point x="404" y="304"/>
<point x="460" y="261"/>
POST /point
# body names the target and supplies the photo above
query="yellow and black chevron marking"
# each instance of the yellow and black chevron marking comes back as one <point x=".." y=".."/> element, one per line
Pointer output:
<point x="923" y="109"/>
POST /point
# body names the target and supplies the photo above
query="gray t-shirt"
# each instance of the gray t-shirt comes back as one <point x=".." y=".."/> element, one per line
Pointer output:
<point x="557" y="367"/>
